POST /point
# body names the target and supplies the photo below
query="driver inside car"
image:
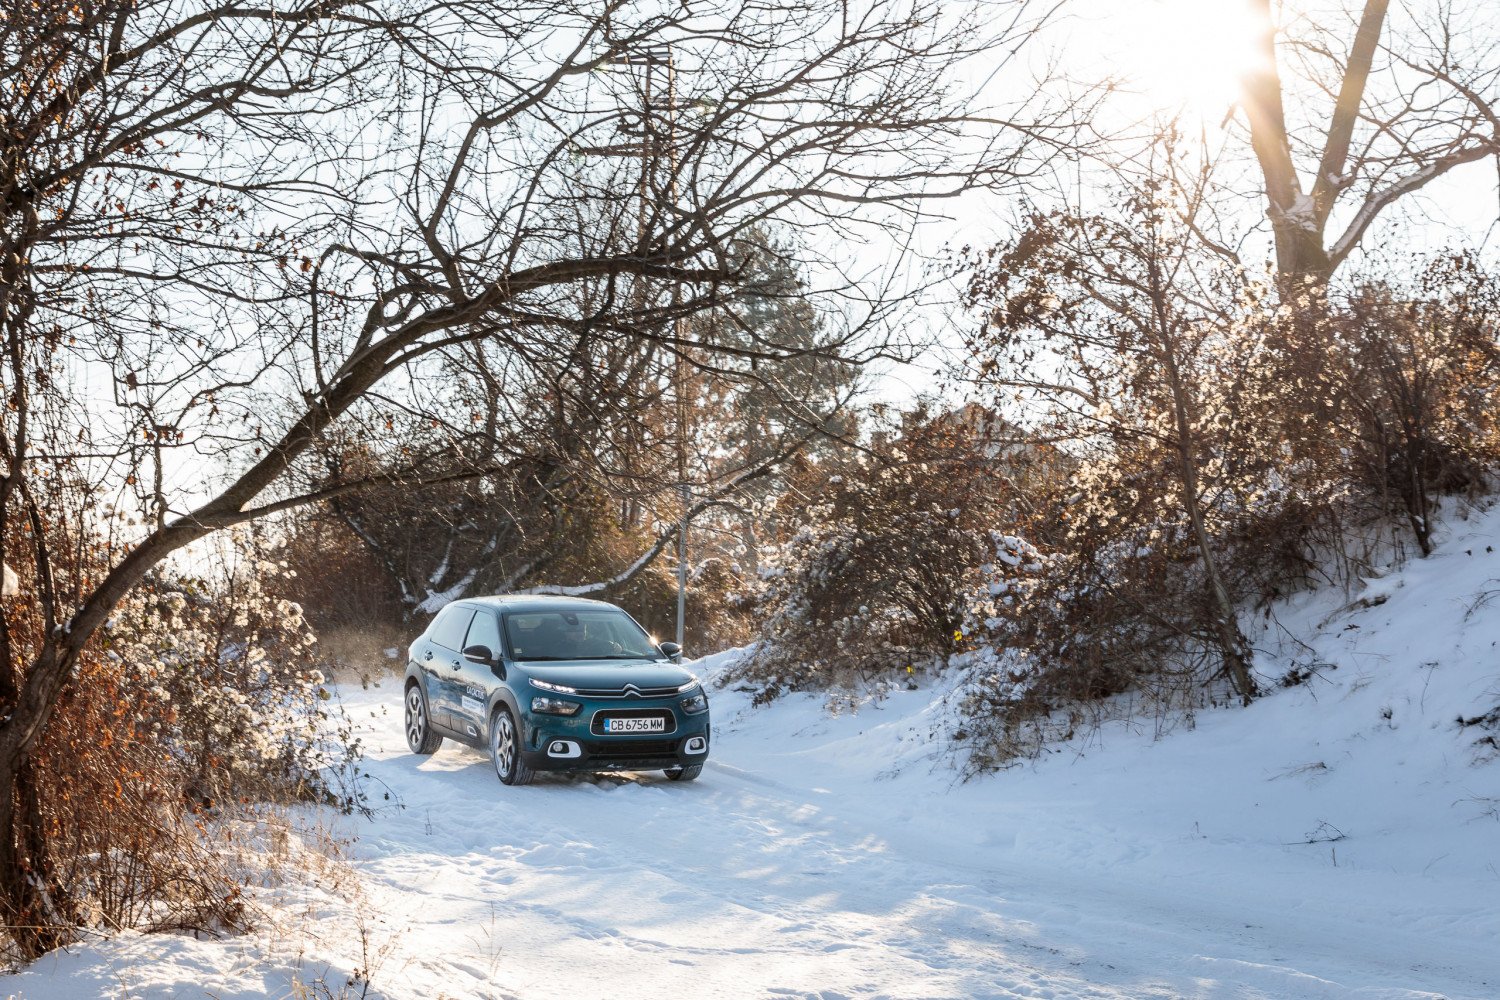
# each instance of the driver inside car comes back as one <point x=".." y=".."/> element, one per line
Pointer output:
<point x="585" y="642"/>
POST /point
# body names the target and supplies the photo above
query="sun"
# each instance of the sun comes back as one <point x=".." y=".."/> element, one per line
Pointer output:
<point x="1189" y="55"/>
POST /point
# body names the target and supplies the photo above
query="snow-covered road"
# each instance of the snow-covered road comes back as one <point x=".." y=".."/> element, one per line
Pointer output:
<point x="790" y="869"/>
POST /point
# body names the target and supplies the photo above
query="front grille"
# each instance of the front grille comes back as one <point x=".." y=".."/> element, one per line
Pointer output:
<point x="634" y="750"/>
<point x="596" y="724"/>
<point x="629" y="691"/>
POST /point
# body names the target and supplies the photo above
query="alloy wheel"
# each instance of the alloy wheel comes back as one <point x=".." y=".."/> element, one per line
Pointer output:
<point x="416" y="718"/>
<point x="503" y="745"/>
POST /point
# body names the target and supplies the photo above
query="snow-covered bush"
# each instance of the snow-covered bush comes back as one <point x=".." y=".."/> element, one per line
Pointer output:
<point x="1228" y="439"/>
<point x="1414" y="369"/>
<point x="1157" y="365"/>
<point x="233" y="676"/>
<point x="896" y="559"/>
<point x="1225" y="437"/>
<point x="198" y="705"/>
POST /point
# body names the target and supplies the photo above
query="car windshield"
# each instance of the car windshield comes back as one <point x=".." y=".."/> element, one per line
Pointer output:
<point x="577" y="635"/>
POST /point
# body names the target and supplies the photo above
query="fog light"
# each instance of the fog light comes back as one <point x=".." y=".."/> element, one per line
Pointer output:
<point x="696" y="744"/>
<point x="563" y="748"/>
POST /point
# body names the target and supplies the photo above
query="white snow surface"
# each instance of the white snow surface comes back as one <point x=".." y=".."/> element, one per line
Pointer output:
<point x="838" y="855"/>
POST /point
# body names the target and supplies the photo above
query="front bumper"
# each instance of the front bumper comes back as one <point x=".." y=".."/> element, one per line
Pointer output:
<point x="587" y="749"/>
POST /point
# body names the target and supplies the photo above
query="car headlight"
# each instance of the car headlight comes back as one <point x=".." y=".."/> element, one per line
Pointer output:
<point x="554" y="706"/>
<point x="554" y="688"/>
<point x="695" y="704"/>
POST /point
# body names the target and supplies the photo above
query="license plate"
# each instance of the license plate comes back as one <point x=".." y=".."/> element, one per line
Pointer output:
<point x="638" y="725"/>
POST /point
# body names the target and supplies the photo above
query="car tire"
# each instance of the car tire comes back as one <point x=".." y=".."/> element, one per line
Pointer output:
<point x="505" y="750"/>
<point x="689" y="773"/>
<point x="419" y="735"/>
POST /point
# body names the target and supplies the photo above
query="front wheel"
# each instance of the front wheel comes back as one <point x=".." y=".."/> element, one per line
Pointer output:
<point x="419" y="735"/>
<point x="505" y="750"/>
<point x="688" y="773"/>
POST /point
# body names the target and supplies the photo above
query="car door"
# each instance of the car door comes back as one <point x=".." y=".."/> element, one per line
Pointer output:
<point x="444" y="662"/>
<point x="424" y="653"/>
<point x="475" y="680"/>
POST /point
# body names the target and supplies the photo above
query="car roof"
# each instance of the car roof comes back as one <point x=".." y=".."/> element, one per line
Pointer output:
<point x="537" y="602"/>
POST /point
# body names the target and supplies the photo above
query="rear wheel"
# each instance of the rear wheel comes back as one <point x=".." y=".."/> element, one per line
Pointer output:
<point x="505" y="750"/>
<point x="419" y="735"/>
<point x="688" y="773"/>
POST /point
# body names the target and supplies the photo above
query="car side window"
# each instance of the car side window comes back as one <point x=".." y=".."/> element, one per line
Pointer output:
<point x="485" y="631"/>
<point x="522" y="629"/>
<point x="452" y="622"/>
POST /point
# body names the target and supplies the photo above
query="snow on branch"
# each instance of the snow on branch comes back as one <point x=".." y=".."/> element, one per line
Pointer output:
<point x="1379" y="201"/>
<point x="620" y="579"/>
<point x="644" y="561"/>
<point x="435" y="600"/>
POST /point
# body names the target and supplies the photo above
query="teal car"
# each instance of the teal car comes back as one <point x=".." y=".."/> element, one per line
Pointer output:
<point x="553" y="684"/>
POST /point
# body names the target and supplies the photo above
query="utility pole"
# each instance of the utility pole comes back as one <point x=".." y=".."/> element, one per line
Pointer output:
<point x="658" y="59"/>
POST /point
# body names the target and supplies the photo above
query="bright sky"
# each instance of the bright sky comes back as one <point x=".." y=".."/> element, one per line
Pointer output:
<point x="1175" y="53"/>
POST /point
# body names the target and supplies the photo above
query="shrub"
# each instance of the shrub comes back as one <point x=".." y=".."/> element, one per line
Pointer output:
<point x="892" y="553"/>
<point x="198" y="704"/>
<point x="1308" y="424"/>
<point x="1417" y="372"/>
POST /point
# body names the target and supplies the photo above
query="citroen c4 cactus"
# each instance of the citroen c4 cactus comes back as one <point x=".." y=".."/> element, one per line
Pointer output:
<point x="553" y="684"/>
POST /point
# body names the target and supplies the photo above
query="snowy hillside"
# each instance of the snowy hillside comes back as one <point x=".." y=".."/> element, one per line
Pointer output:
<point x="1339" y="838"/>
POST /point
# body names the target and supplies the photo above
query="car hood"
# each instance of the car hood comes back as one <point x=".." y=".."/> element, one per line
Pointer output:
<point x="608" y="673"/>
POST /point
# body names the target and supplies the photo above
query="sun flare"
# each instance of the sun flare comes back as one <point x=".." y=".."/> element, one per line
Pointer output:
<point x="1184" y="54"/>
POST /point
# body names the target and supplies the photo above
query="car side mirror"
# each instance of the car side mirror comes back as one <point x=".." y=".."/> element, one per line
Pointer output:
<point x="479" y="654"/>
<point x="670" y="649"/>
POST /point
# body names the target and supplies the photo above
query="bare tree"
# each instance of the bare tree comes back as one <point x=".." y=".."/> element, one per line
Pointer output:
<point x="1383" y="103"/>
<point x="227" y="229"/>
<point x="555" y="441"/>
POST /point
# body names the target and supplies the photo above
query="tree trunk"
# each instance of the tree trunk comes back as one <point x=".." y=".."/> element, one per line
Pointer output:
<point x="37" y="917"/>
<point x="1299" y="220"/>
<point x="1233" y="648"/>
<point x="1302" y="262"/>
